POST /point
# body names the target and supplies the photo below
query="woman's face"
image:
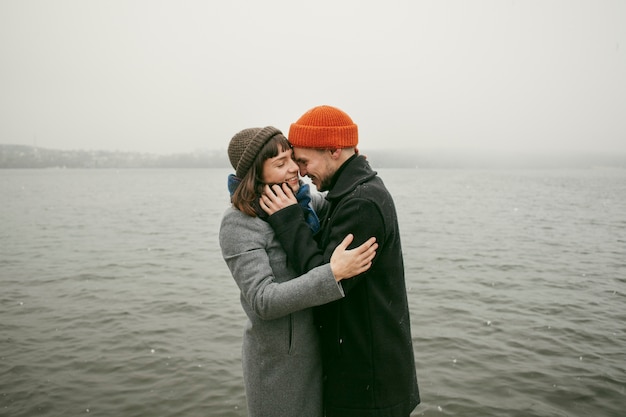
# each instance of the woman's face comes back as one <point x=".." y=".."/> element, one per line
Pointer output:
<point x="282" y="168"/>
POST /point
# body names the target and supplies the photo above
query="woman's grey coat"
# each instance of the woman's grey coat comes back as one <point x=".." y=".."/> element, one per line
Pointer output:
<point x="281" y="359"/>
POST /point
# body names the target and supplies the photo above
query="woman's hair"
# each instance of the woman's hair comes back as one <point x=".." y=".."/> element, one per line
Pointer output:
<point x="247" y="194"/>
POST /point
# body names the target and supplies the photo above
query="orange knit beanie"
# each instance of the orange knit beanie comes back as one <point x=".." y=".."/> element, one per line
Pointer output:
<point x="324" y="127"/>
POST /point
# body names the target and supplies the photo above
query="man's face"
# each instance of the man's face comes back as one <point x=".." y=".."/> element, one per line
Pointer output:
<point x="315" y="164"/>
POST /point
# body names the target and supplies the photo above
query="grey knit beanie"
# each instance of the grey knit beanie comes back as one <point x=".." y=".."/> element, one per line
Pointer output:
<point x="245" y="146"/>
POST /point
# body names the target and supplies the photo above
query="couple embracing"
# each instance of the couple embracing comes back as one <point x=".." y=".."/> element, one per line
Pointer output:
<point x="320" y="274"/>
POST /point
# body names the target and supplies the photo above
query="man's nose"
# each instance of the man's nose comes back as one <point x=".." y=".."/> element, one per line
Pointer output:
<point x="302" y="170"/>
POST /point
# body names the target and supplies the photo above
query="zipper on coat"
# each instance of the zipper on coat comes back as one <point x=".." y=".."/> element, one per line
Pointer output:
<point x="290" y="334"/>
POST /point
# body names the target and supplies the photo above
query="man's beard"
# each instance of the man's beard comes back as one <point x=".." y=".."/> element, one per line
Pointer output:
<point x="324" y="183"/>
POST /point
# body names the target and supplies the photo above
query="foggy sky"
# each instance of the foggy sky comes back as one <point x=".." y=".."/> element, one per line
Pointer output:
<point x="177" y="76"/>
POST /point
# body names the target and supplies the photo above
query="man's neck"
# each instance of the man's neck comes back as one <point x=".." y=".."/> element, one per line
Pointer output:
<point x="340" y="170"/>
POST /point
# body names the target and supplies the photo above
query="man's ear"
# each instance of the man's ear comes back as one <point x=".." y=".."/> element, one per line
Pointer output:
<point x="335" y="153"/>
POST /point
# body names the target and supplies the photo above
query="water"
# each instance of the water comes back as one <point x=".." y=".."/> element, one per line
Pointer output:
<point x="115" y="299"/>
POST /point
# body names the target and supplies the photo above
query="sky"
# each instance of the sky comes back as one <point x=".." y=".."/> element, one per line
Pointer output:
<point x="170" y="76"/>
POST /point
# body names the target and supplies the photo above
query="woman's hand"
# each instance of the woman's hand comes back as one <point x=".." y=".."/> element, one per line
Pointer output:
<point x="276" y="197"/>
<point x="349" y="263"/>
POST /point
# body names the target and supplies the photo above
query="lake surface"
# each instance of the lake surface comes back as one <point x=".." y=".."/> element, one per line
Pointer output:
<point x="115" y="299"/>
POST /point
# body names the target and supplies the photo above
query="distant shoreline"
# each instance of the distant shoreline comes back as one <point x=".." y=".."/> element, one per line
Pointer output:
<point x="32" y="157"/>
<point x="23" y="156"/>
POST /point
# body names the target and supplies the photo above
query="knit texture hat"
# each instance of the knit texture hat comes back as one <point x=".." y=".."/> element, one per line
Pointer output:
<point x="324" y="127"/>
<point x="246" y="145"/>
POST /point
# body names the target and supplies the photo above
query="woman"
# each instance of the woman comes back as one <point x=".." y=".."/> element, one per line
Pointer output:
<point x="281" y="360"/>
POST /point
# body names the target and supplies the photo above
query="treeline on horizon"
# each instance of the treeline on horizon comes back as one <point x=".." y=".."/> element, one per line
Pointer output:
<point x="31" y="157"/>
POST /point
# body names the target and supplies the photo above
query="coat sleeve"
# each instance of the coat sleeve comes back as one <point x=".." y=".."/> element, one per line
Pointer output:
<point x="362" y="218"/>
<point x="296" y="238"/>
<point x="359" y="216"/>
<point x="245" y="251"/>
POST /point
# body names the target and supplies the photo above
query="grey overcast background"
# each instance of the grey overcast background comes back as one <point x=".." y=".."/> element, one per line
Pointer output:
<point x="178" y="76"/>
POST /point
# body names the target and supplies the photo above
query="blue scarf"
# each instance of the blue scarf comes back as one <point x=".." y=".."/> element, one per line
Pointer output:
<point x="304" y="201"/>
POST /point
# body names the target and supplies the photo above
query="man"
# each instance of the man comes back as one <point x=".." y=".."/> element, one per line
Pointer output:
<point x="367" y="352"/>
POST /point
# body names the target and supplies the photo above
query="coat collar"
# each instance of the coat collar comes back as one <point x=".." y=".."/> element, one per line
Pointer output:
<point x="353" y="172"/>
